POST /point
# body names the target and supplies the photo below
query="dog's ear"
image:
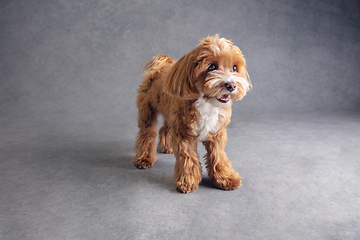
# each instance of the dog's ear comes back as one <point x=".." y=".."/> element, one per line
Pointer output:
<point x="181" y="76"/>
<point x="244" y="73"/>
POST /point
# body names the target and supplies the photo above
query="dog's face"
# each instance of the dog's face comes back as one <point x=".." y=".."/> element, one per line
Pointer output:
<point x="216" y="69"/>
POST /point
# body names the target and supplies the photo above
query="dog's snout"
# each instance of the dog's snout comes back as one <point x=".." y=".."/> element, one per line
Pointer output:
<point x="231" y="86"/>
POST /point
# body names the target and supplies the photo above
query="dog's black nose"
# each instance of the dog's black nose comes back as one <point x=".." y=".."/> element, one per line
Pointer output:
<point x="231" y="86"/>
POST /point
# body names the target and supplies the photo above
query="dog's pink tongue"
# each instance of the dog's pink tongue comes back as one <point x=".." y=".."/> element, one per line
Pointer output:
<point x="224" y="97"/>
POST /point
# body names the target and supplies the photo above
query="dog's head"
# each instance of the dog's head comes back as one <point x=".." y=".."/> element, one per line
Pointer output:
<point x="216" y="69"/>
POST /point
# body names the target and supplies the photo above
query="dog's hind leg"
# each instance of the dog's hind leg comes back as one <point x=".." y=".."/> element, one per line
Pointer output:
<point x="145" y="145"/>
<point x="164" y="145"/>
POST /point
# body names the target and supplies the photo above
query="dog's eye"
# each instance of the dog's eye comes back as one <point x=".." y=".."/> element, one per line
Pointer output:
<point x="234" y="68"/>
<point x="212" y="67"/>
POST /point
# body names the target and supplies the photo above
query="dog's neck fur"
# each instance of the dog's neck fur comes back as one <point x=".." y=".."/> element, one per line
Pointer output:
<point x="210" y="111"/>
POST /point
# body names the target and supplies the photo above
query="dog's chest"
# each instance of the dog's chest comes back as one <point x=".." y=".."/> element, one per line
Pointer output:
<point x="209" y="118"/>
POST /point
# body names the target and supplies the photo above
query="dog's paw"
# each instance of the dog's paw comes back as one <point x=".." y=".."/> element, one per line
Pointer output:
<point x="231" y="183"/>
<point x="143" y="164"/>
<point x="167" y="150"/>
<point x="184" y="187"/>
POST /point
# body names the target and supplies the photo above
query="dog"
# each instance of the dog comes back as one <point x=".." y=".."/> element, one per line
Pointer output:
<point x="194" y="95"/>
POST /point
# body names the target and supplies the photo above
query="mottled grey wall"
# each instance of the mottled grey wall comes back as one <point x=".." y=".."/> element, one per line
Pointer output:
<point x="83" y="58"/>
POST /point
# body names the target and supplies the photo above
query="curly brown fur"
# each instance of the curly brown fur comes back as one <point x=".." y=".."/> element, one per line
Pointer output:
<point x="194" y="95"/>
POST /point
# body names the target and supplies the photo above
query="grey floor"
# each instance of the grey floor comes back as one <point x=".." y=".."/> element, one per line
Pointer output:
<point x="69" y="73"/>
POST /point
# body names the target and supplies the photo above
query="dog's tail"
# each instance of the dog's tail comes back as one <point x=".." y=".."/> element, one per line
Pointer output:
<point x="155" y="67"/>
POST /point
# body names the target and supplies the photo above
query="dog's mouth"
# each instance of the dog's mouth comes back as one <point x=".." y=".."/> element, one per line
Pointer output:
<point x="224" y="98"/>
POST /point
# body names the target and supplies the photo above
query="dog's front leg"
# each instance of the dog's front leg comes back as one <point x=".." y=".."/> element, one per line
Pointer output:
<point x="220" y="169"/>
<point x="187" y="167"/>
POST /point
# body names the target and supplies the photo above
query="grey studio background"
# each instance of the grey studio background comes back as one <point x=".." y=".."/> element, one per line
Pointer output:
<point x="69" y="73"/>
